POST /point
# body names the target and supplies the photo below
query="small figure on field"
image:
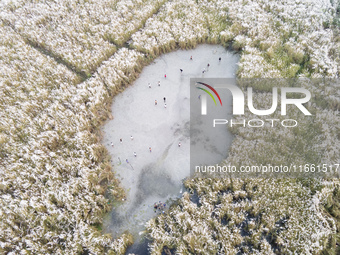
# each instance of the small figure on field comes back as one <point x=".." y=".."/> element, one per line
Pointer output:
<point x="165" y="76"/>
<point x="164" y="99"/>
<point x="135" y="154"/>
<point x="208" y="65"/>
<point x="181" y="70"/>
<point x="164" y="105"/>
<point x="155" y="102"/>
<point x="190" y="57"/>
<point x="179" y="144"/>
<point x="149" y="85"/>
<point x="127" y="161"/>
<point x="150" y="149"/>
<point x="112" y="144"/>
<point x="131" y="138"/>
<point x="219" y="59"/>
<point x="121" y="140"/>
<point x="159" y="83"/>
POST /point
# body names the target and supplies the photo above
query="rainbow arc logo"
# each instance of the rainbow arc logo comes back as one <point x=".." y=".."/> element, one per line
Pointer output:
<point x="204" y="98"/>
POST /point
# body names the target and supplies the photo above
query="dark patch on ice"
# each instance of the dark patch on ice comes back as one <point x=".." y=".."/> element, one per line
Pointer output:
<point x="116" y="220"/>
<point x="139" y="248"/>
<point x="154" y="181"/>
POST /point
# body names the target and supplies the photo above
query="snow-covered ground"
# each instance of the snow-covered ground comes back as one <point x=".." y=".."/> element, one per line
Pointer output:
<point x="156" y="176"/>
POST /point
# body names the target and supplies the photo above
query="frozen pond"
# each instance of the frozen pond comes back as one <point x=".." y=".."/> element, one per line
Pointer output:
<point x="155" y="176"/>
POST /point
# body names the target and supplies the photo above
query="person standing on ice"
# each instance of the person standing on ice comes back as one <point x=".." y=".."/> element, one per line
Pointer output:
<point x="181" y="70"/>
<point x="159" y="83"/>
<point x="165" y="76"/>
<point x="164" y="105"/>
<point x="164" y="99"/>
<point x="112" y="144"/>
<point x="135" y="154"/>
<point x="150" y="149"/>
<point x="127" y="161"/>
<point x="219" y="59"/>
<point x="190" y="57"/>
<point x="121" y="140"/>
<point x="155" y="102"/>
<point x="149" y="85"/>
<point x="131" y="138"/>
<point x="179" y="144"/>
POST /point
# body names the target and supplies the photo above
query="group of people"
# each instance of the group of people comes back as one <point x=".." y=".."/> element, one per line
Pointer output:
<point x="159" y="82"/>
<point x="164" y="98"/>
<point x="159" y="206"/>
<point x="134" y="153"/>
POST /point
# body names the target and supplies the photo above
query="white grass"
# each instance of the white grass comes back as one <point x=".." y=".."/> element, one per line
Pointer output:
<point x="54" y="171"/>
<point x="81" y="34"/>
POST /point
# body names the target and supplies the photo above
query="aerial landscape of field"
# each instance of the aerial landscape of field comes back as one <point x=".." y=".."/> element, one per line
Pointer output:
<point x="99" y="128"/>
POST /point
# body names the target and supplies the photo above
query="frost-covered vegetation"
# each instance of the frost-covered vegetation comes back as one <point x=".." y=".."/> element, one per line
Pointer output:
<point x="81" y="33"/>
<point x="315" y="140"/>
<point x="234" y="216"/>
<point x="56" y="177"/>
<point x="54" y="171"/>
<point x="278" y="39"/>
<point x="177" y="23"/>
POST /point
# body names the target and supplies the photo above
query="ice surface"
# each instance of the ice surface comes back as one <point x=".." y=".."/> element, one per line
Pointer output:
<point x="157" y="175"/>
